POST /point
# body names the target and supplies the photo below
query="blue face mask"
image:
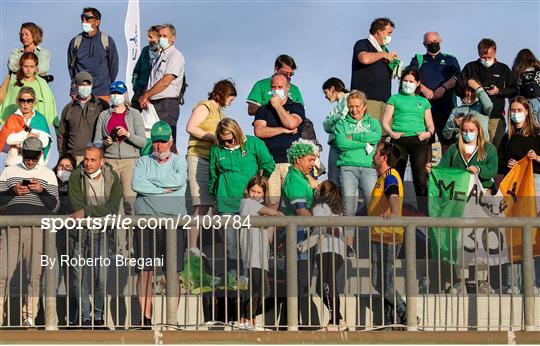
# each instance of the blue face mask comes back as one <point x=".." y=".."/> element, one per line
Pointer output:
<point x="164" y="42"/>
<point x="280" y="93"/>
<point x="468" y="137"/>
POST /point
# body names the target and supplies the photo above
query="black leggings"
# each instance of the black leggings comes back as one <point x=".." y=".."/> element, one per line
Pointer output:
<point x="417" y="151"/>
<point x="326" y="285"/>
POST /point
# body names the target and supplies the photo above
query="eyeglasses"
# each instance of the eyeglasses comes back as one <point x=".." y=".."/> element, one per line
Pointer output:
<point x="21" y="100"/>
<point x="87" y="17"/>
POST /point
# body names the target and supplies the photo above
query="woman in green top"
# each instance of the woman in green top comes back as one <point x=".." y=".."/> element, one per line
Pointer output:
<point x="201" y="127"/>
<point x="407" y="119"/>
<point x="472" y="152"/>
<point x="234" y="160"/>
<point x="28" y="76"/>
<point x="334" y="91"/>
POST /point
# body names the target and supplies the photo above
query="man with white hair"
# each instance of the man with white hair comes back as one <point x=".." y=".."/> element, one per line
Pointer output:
<point x="438" y="75"/>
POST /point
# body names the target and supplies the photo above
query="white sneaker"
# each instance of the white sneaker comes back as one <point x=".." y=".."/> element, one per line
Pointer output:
<point x="512" y="290"/>
<point x="28" y="322"/>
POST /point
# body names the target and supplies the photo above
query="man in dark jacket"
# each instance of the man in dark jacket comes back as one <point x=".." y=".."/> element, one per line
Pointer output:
<point x="94" y="191"/>
<point x="79" y="117"/>
<point x="95" y="52"/>
<point x="497" y="80"/>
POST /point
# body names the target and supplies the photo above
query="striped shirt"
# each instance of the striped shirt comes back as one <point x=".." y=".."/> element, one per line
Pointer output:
<point x="44" y="203"/>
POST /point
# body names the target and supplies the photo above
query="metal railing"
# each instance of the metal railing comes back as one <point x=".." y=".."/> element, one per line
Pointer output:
<point x="522" y="306"/>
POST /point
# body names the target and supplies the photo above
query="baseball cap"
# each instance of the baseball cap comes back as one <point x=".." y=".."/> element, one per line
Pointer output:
<point x="82" y="77"/>
<point x="31" y="148"/>
<point x="118" y="87"/>
<point x="161" y="131"/>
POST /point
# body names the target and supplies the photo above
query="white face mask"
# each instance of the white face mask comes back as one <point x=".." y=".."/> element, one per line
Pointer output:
<point x="87" y="27"/>
<point x="84" y="91"/>
<point x="280" y="93"/>
<point x="94" y="175"/>
<point x="408" y="87"/>
<point x="387" y="40"/>
<point x="487" y="62"/>
<point x="163" y="42"/>
<point x="63" y="175"/>
<point x="117" y="99"/>
<point x="518" y="117"/>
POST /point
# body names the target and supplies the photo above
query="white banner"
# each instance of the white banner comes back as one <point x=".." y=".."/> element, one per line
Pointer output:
<point x="490" y="243"/>
<point x="132" y="32"/>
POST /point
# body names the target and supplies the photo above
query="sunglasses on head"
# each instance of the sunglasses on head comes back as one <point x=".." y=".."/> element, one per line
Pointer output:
<point x="21" y="100"/>
<point x="87" y="17"/>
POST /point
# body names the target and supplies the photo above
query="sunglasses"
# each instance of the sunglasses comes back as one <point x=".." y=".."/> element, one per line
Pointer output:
<point x="21" y="100"/>
<point x="287" y="74"/>
<point x="228" y="141"/>
<point x="94" y="145"/>
<point x="87" y="17"/>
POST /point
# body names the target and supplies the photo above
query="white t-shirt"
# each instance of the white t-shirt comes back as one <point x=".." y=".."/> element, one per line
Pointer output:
<point x="328" y="243"/>
<point x="254" y="243"/>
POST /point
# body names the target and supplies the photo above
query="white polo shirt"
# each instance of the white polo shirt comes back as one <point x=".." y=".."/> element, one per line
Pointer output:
<point x="170" y="61"/>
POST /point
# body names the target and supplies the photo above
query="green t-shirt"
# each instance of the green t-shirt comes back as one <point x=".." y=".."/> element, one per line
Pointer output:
<point x="296" y="189"/>
<point x="408" y="113"/>
<point x="260" y="93"/>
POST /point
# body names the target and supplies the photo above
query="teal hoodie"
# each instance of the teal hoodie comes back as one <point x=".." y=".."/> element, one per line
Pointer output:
<point x="352" y="136"/>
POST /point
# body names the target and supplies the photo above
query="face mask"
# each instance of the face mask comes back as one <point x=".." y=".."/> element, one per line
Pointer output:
<point x="162" y="156"/>
<point x="433" y="47"/>
<point x="408" y="88"/>
<point x="154" y="46"/>
<point x="469" y="103"/>
<point x="518" y="117"/>
<point x="63" y="175"/>
<point x="163" y="42"/>
<point x="84" y="91"/>
<point x="94" y="175"/>
<point x="117" y="100"/>
<point x="487" y="62"/>
<point x="87" y="27"/>
<point x="280" y="93"/>
<point x="468" y="137"/>
<point x="387" y="40"/>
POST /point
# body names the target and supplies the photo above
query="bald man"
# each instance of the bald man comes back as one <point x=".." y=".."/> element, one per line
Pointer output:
<point x="438" y="75"/>
<point x="279" y="124"/>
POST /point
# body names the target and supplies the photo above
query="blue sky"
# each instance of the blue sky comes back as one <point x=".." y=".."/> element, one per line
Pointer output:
<point x="240" y="39"/>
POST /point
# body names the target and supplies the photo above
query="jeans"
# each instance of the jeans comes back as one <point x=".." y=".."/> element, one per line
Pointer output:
<point x="90" y="279"/>
<point x="382" y="264"/>
<point x="354" y="178"/>
<point x="418" y="152"/>
<point x="333" y="169"/>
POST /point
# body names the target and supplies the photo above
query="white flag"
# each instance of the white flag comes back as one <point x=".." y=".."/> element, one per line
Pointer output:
<point x="133" y="39"/>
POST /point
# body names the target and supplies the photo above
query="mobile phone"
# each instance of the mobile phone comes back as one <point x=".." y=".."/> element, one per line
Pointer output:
<point x="26" y="182"/>
<point x="114" y="135"/>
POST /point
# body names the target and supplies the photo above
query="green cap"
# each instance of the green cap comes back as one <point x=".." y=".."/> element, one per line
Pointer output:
<point x="161" y="131"/>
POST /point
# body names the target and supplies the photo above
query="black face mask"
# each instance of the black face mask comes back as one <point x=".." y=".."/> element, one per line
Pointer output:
<point x="433" y="47"/>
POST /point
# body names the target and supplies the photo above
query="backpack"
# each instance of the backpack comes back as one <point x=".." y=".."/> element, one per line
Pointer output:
<point x="530" y="84"/>
<point x="77" y="44"/>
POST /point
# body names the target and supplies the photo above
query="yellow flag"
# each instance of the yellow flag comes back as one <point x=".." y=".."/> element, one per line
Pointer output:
<point x="518" y="189"/>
